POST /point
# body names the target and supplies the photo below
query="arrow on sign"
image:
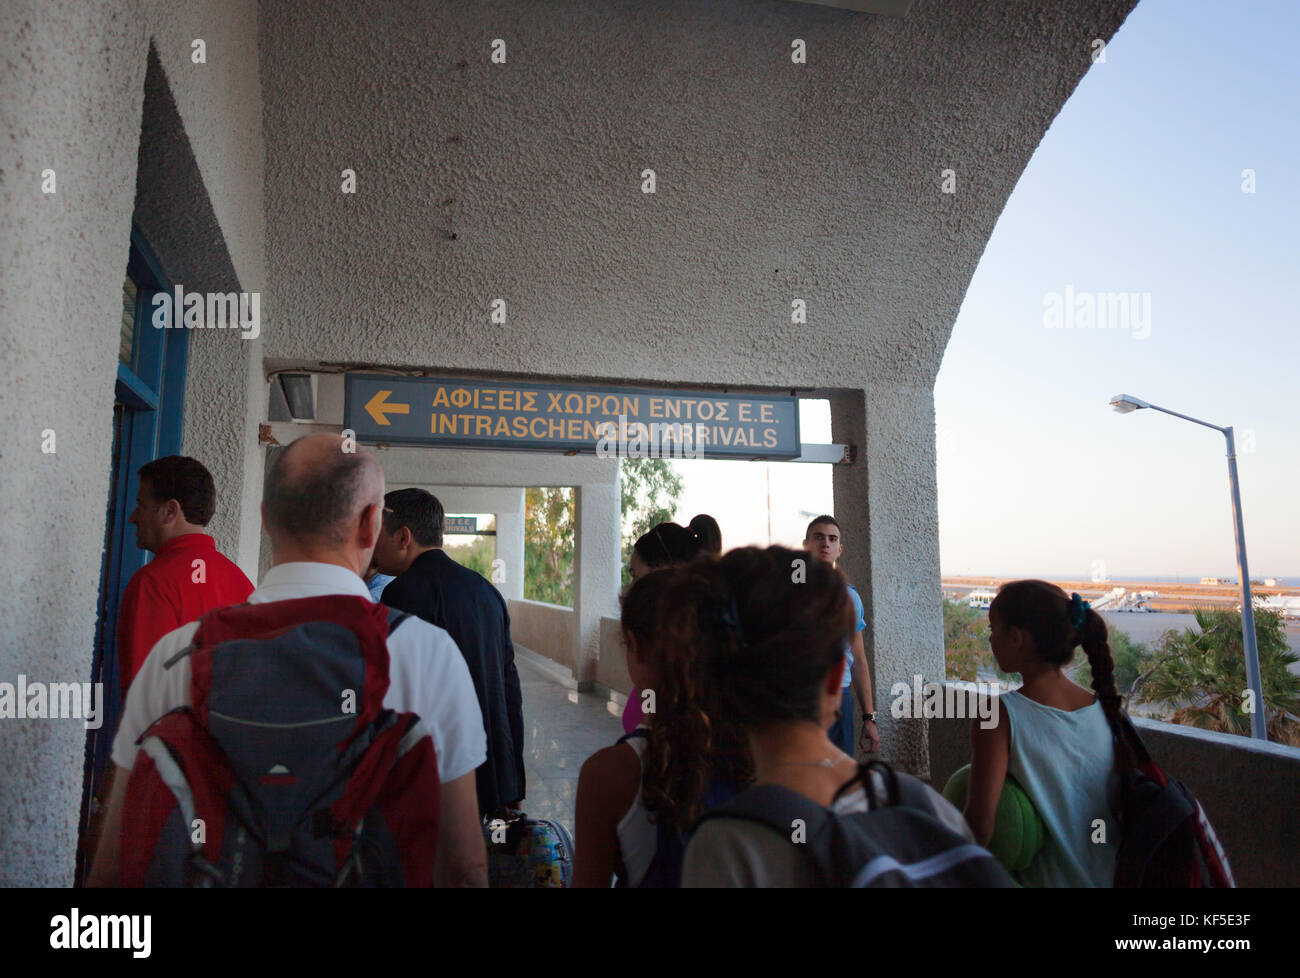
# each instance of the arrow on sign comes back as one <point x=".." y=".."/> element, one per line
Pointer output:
<point x="378" y="408"/>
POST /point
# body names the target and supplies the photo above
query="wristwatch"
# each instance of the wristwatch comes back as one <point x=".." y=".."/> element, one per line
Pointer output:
<point x="868" y="718"/>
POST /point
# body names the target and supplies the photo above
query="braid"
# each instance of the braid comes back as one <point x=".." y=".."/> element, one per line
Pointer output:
<point x="1092" y="636"/>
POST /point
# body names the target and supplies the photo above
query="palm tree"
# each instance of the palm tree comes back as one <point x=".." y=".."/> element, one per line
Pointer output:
<point x="1201" y="674"/>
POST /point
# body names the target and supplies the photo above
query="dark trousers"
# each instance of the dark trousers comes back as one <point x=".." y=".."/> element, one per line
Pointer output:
<point x="841" y="731"/>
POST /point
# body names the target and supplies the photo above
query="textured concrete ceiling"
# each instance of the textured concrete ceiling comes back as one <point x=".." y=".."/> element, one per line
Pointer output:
<point x="892" y="8"/>
<point x="522" y="180"/>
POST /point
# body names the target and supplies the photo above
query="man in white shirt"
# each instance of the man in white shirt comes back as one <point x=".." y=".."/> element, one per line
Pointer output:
<point x="322" y="508"/>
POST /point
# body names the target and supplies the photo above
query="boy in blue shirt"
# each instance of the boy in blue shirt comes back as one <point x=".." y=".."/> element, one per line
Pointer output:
<point x="824" y="542"/>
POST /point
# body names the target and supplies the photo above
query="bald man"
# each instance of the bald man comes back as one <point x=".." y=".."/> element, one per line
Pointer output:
<point x="322" y="508"/>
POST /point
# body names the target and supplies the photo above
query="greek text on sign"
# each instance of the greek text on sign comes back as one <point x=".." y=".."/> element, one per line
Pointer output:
<point x="527" y="417"/>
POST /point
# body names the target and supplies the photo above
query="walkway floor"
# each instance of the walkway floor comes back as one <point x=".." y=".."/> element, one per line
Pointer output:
<point x="562" y="728"/>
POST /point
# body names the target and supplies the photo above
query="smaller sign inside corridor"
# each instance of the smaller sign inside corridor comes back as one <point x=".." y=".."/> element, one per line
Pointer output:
<point x="457" y="412"/>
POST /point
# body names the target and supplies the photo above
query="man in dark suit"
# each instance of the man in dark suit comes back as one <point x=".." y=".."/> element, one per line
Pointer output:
<point x="434" y="587"/>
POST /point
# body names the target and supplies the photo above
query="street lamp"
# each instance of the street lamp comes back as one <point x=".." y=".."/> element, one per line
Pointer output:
<point x="1124" y="404"/>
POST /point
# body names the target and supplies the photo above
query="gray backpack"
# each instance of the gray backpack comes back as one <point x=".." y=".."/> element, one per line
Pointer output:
<point x="899" y="842"/>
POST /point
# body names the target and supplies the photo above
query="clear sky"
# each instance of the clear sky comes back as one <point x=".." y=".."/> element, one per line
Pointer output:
<point x="1136" y="188"/>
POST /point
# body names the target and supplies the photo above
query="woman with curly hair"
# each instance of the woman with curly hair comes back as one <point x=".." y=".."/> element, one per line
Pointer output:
<point x="638" y="798"/>
<point x="668" y="545"/>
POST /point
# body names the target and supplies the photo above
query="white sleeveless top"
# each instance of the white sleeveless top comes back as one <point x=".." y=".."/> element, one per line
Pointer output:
<point x="1065" y="762"/>
<point x="638" y="837"/>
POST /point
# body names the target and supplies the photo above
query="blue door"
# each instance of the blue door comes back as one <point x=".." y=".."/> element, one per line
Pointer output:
<point x="148" y="407"/>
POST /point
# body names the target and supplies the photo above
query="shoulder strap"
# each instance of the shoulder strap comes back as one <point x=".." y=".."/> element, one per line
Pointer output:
<point x="875" y="799"/>
<point x="189" y="649"/>
<point x="395" y="618"/>
<point x="778" y="808"/>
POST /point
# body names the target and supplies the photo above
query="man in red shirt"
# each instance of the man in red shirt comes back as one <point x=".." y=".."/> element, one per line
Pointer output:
<point x="188" y="576"/>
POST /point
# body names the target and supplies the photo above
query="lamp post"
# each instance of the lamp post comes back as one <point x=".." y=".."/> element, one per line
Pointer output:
<point x="1125" y="403"/>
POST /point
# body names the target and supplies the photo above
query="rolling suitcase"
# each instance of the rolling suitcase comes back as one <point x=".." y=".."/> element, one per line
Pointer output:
<point x="526" y="853"/>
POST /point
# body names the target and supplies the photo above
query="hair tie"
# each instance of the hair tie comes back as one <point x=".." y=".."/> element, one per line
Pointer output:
<point x="1078" y="611"/>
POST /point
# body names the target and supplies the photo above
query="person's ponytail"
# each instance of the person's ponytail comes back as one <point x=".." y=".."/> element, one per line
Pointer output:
<point x="708" y="533"/>
<point x="1092" y="636"/>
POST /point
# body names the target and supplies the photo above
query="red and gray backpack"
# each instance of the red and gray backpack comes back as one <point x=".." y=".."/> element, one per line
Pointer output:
<point x="1166" y="840"/>
<point x="285" y="770"/>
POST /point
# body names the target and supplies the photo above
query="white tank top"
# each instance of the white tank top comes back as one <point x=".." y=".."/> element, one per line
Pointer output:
<point x="1065" y="762"/>
<point x="638" y="837"/>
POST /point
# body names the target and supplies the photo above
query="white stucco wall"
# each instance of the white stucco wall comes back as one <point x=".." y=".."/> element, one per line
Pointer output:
<point x="510" y="549"/>
<point x="64" y="258"/>
<point x="887" y="507"/>
<point x="71" y="97"/>
<point x="220" y="104"/>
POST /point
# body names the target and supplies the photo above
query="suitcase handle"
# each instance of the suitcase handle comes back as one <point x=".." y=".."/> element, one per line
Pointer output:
<point x="508" y="816"/>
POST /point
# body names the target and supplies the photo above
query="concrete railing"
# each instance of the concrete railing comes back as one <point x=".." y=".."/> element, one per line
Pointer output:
<point x="1249" y="790"/>
<point x="611" y="667"/>
<point x="547" y="629"/>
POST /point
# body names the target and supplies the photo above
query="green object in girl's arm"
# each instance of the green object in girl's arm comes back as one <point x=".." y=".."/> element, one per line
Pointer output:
<point x="1017" y="827"/>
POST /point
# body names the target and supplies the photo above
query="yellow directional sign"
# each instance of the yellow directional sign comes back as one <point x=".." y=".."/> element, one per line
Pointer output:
<point x="379" y="408"/>
<point x="519" y="415"/>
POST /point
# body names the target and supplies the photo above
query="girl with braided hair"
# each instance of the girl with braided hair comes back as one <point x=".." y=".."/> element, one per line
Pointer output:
<point x="1052" y="736"/>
